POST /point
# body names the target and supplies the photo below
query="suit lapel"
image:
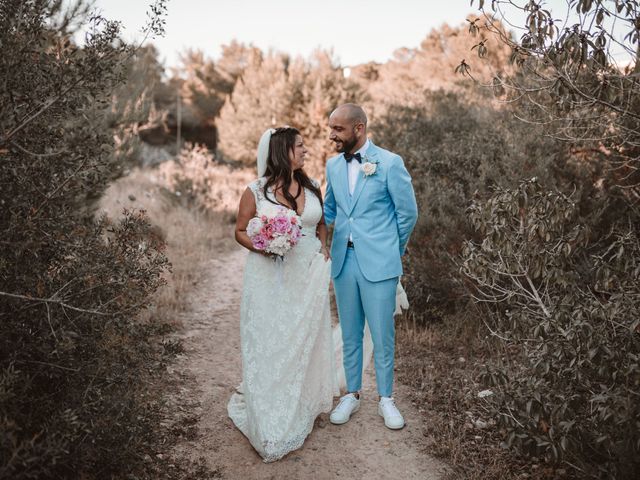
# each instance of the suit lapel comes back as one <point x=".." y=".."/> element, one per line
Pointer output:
<point x="343" y="181"/>
<point x="360" y="182"/>
<point x="370" y="155"/>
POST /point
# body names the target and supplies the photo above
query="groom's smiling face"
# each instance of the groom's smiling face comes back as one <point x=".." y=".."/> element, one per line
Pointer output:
<point x="343" y="132"/>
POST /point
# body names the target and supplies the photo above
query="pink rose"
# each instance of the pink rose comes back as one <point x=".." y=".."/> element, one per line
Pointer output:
<point x="281" y="225"/>
<point x="259" y="242"/>
<point x="295" y="235"/>
<point x="267" y="230"/>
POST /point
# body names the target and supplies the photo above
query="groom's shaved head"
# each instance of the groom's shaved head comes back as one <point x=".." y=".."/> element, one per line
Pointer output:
<point x="348" y="125"/>
<point x="351" y="113"/>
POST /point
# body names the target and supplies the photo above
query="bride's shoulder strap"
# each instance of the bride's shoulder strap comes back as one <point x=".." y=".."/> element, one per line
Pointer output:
<point x="257" y="188"/>
<point x="315" y="182"/>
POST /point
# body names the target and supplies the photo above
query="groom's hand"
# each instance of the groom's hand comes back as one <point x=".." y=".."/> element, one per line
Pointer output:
<point x="325" y="251"/>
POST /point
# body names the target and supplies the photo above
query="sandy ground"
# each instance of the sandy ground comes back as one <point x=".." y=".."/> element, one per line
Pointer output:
<point x="362" y="448"/>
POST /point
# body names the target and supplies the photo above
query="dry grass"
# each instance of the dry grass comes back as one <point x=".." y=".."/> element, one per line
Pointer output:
<point x="442" y="363"/>
<point x="192" y="235"/>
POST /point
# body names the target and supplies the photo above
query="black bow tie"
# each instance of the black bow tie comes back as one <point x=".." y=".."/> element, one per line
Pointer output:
<point x="348" y="157"/>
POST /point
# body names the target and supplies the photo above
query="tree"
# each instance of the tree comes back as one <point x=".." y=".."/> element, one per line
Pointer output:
<point x="132" y="114"/>
<point x="569" y="76"/>
<point x="275" y="91"/>
<point x="203" y="86"/>
<point x="70" y="285"/>
<point x="260" y="100"/>
<point x="559" y="270"/>
<point x="411" y="72"/>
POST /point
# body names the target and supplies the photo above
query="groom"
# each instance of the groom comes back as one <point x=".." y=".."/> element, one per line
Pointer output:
<point x="370" y="198"/>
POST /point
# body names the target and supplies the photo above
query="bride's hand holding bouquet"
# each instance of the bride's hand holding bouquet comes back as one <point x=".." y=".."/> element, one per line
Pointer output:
<point x="274" y="230"/>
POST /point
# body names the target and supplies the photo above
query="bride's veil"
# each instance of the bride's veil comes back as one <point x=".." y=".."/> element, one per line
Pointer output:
<point x="263" y="151"/>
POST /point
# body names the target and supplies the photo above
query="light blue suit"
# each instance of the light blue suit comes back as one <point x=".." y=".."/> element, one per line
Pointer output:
<point x="379" y="216"/>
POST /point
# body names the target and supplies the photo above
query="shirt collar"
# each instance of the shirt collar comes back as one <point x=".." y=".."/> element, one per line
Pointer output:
<point x="363" y="149"/>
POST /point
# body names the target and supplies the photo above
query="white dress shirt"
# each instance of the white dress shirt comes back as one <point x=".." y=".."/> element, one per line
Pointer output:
<point x="353" y="170"/>
<point x="354" y="167"/>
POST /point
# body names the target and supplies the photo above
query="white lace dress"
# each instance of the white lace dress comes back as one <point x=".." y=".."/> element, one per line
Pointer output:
<point x="288" y="359"/>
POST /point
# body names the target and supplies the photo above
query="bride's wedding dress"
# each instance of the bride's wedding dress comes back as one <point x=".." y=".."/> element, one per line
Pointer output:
<point x="291" y="357"/>
<point x="289" y="373"/>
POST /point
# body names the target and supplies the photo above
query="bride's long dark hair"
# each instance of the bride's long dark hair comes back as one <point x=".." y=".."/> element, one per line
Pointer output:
<point x="283" y="141"/>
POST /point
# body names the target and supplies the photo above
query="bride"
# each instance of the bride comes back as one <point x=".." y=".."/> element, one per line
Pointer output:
<point x="288" y="354"/>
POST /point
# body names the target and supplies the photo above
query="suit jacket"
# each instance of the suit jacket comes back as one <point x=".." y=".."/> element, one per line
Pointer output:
<point x="380" y="215"/>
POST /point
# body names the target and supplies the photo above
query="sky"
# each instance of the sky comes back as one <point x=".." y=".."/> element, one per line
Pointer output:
<point x="358" y="31"/>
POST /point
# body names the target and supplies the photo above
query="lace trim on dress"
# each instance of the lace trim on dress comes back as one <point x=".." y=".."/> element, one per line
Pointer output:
<point x="289" y="374"/>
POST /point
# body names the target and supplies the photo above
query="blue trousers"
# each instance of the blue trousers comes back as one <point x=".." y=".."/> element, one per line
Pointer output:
<point x="357" y="299"/>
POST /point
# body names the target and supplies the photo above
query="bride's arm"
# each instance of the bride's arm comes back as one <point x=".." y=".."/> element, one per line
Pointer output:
<point x="322" y="233"/>
<point x="246" y="211"/>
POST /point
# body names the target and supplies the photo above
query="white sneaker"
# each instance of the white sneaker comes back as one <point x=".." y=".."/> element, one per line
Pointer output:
<point x="388" y="410"/>
<point x="348" y="405"/>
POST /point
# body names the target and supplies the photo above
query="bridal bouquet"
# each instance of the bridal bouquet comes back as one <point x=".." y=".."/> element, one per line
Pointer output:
<point x="275" y="229"/>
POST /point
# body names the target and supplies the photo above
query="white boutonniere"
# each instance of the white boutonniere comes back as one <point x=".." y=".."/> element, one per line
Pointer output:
<point x="369" y="168"/>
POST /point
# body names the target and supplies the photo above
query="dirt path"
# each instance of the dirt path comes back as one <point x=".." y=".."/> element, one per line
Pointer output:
<point x="361" y="448"/>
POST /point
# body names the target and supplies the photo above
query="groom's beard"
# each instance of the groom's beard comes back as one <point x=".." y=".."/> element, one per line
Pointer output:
<point x="346" y="145"/>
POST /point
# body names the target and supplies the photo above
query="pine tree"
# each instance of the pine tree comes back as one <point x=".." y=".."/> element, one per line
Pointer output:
<point x="261" y="99"/>
<point x="279" y="91"/>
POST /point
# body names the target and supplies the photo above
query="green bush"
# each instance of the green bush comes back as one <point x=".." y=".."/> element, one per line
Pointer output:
<point x="567" y="297"/>
<point x="75" y="401"/>
<point x="561" y="274"/>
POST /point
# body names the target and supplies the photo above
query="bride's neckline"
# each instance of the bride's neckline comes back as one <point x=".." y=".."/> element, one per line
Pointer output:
<point x="286" y="206"/>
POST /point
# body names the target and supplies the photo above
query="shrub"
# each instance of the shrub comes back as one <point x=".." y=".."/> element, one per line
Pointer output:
<point x="202" y="182"/>
<point x="74" y="360"/>
<point x="576" y="73"/>
<point x="567" y="298"/>
<point x="457" y="151"/>
<point x="561" y="273"/>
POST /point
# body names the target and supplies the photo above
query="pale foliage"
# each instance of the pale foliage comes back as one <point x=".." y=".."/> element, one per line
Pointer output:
<point x="196" y="175"/>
